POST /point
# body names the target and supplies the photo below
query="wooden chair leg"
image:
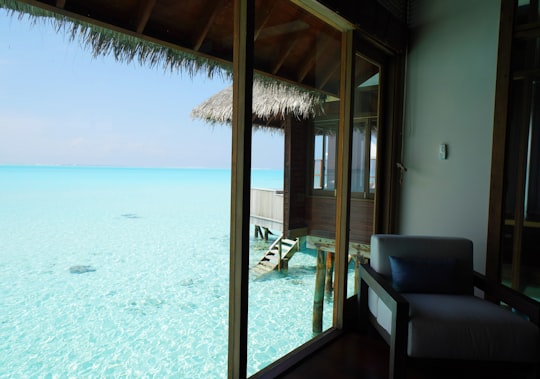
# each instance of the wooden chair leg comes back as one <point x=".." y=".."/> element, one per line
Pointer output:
<point x="397" y="364"/>
<point x="363" y="308"/>
<point x="398" y="342"/>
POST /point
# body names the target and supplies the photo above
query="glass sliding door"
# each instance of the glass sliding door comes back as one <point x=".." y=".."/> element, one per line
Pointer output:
<point x="297" y="63"/>
<point x="520" y="267"/>
<point x="363" y="164"/>
<point x="520" y="255"/>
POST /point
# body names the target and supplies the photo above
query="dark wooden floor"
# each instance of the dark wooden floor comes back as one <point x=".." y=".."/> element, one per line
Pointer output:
<point x="365" y="356"/>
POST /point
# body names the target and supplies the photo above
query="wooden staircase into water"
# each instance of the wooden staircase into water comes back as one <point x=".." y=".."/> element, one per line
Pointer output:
<point x="277" y="257"/>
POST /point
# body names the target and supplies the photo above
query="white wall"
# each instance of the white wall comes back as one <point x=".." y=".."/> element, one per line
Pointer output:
<point x="450" y="91"/>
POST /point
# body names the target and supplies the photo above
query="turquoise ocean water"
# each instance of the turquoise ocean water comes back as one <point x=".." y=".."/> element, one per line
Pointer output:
<point x="157" y="303"/>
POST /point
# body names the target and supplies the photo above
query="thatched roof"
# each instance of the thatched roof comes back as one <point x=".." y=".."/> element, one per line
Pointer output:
<point x="272" y="102"/>
<point x="273" y="99"/>
<point x="122" y="46"/>
<point x="197" y="36"/>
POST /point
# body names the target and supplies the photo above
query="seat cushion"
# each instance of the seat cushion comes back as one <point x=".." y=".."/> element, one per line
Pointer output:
<point x="467" y="327"/>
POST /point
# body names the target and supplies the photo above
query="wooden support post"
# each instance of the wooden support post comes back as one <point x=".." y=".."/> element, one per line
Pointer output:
<point x="284" y="265"/>
<point x="258" y="232"/>
<point x="329" y="287"/>
<point x="318" y="301"/>
<point x="356" y="258"/>
<point x="279" y="255"/>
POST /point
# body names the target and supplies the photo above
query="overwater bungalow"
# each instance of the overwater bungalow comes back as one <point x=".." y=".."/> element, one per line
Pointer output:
<point x="281" y="107"/>
<point x="429" y="125"/>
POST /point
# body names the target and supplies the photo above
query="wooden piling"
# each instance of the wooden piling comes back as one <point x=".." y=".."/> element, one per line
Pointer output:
<point x="258" y="232"/>
<point x="318" y="301"/>
<point x="329" y="287"/>
<point x="285" y="266"/>
<point x="356" y="260"/>
<point x="279" y="255"/>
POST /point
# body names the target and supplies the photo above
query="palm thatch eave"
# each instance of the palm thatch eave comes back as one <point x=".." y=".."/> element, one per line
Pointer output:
<point x="273" y="99"/>
<point x="272" y="103"/>
<point x="124" y="46"/>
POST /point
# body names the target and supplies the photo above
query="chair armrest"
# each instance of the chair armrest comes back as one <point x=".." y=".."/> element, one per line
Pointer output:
<point x="399" y="307"/>
<point x="382" y="287"/>
<point x="515" y="299"/>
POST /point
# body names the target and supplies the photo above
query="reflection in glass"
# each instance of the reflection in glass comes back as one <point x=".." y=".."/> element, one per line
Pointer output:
<point x="363" y="165"/>
<point x="520" y="266"/>
<point x="298" y="67"/>
<point x="527" y="11"/>
<point x="519" y="260"/>
<point x="364" y="157"/>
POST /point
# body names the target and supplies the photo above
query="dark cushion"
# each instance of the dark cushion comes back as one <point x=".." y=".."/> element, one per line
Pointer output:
<point x="424" y="275"/>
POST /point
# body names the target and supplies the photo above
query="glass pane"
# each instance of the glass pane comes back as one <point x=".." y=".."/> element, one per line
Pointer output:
<point x="300" y="55"/>
<point x="520" y="267"/>
<point x="114" y="259"/>
<point x="358" y="164"/>
<point x="532" y="204"/>
<point x="527" y="12"/>
<point x="373" y="159"/>
<point x="364" y="159"/>
<point x="330" y="163"/>
<point x="324" y="162"/>
<point x="525" y="57"/>
<point x="318" y="163"/>
<point x="511" y="188"/>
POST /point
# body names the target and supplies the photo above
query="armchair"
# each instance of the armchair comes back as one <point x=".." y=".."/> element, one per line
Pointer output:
<point x="419" y="294"/>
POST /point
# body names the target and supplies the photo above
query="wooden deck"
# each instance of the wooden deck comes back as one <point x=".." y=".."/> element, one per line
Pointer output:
<point x="267" y="208"/>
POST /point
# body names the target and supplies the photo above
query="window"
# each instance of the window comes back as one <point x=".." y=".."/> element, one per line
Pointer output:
<point x="324" y="164"/>
<point x="364" y="149"/>
<point x="364" y="157"/>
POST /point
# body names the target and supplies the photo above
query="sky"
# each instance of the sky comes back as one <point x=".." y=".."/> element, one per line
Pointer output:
<point x="61" y="106"/>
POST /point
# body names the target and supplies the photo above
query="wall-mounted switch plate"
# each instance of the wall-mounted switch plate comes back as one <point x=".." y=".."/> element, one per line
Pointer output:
<point x="443" y="151"/>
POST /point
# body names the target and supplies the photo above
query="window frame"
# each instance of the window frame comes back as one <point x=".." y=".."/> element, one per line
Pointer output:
<point x="366" y="193"/>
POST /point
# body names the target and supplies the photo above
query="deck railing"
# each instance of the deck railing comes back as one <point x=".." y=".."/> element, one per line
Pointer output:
<point x="267" y="208"/>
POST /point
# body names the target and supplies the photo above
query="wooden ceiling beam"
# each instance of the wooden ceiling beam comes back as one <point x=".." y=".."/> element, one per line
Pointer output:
<point x="207" y="24"/>
<point x="281" y="41"/>
<point x="331" y="65"/>
<point x="265" y="13"/>
<point x="143" y="15"/>
<point x="283" y="56"/>
<point x="311" y="61"/>
<point x="331" y="73"/>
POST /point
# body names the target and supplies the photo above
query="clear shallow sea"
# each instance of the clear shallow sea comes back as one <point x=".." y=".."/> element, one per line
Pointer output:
<point x="157" y="303"/>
